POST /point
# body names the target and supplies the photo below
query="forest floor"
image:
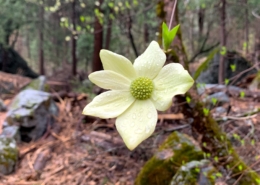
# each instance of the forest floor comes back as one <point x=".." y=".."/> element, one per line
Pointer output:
<point x="81" y="150"/>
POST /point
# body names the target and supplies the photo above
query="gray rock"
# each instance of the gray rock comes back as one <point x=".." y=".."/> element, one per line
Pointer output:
<point x="38" y="84"/>
<point x="2" y="106"/>
<point x="8" y="155"/>
<point x="210" y="75"/>
<point x="220" y="96"/>
<point x="195" y="172"/>
<point x="31" y="111"/>
<point x="220" y="110"/>
<point x="11" y="132"/>
<point x="204" y="87"/>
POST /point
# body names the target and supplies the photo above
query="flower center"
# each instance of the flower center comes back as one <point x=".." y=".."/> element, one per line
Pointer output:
<point x="141" y="88"/>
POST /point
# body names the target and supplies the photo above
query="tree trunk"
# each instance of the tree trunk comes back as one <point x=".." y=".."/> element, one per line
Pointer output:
<point x="191" y="32"/>
<point x="41" y="40"/>
<point x="201" y="16"/>
<point x="246" y="27"/>
<point x="130" y="35"/>
<point x="221" y="72"/>
<point x="109" y="29"/>
<point x="73" y="40"/>
<point x="98" y="41"/>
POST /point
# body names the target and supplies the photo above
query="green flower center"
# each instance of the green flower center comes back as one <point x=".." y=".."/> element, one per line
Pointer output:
<point x="141" y="88"/>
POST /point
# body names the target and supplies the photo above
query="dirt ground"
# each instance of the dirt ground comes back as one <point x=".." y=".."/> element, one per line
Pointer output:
<point x="80" y="150"/>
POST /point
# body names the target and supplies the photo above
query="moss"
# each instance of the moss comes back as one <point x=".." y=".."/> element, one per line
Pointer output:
<point x="194" y="172"/>
<point x="216" y="143"/>
<point x="177" y="150"/>
<point x="35" y="84"/>
<point x="8" y="153"/>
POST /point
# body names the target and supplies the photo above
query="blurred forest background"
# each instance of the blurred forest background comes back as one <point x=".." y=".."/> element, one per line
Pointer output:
<point x="50" y="34"/>
<point x="48" y="48"/>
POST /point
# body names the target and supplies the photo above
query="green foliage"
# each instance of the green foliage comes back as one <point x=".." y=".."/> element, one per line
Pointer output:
<point x="214" y="101"/>
<point x="206" y="111"/>
<point x="168" y="35"/>
<point x="242" y="94"/>
<point x="233" y="67"/>
<point x="188" y="99"/>
<point x="223" y="50"/>
<point x="226" y="81"/>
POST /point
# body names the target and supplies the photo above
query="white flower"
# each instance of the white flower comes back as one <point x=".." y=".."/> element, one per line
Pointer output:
<point x="136" y="91"/>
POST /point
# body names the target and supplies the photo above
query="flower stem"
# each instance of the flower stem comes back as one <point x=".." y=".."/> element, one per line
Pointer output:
<point x="173" y="10"/>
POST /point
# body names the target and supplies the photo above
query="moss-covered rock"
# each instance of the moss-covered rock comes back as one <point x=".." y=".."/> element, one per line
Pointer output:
<point x="31" y="111"/>
<point x="176" y="151"/>
<point x="38" y="84"/>
<point x="194" y="173"/>
<point x="8" y="155"/>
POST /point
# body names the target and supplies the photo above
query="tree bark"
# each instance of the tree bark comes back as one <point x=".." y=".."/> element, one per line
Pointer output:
<point x="130" y="35"/>
<point x="201" y="16"/>
<point x="246" y="27"/>
<point x="109" y="30"/>
<point x="41" y="41"/>
<point x="98" y="42"/>
<point x="73" y="40"/>
<point x="221" y="72"/>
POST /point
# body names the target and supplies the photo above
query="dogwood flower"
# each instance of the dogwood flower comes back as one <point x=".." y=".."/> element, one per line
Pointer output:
<point x="136" y="91"/>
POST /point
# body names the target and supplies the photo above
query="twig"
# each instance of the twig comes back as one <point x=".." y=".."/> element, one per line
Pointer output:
<point x="173" y="10"/>
<point x="234" y="78"/>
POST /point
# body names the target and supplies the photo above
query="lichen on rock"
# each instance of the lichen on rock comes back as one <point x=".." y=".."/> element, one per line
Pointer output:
<point x="8" y="155"/>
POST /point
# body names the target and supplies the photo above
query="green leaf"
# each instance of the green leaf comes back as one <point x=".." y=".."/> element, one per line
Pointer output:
<point x="111" y="4"/>
<point x="214" y="101"/>
<point x="223" y="50"/>
<point x="233" y="67"/>
<point x="168" y="35"/>
<point x="206" y="111"/>
<point x="205" y="64"/>
<point x="78" y="28"/>
<point x="242" y="94"/>
<point x="188" y="99"/>
<point x="165" y="38"/>
<point x="173" y="32"/>
<point x="226" y="81"/>
<point x="127" y="5"/>
<point x="82" y="18"/>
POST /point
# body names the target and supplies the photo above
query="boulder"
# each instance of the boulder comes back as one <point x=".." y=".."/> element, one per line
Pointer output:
<point x="31" y="111"/>
<point x="177" y="150"/>
<point x="8" y="155"/>
<point x="38" y="84"/>
<point x="12" y="62"/>
<point x="194" y="173"/>
<point x="219" y="97"/>
<point x="234" y="64"/>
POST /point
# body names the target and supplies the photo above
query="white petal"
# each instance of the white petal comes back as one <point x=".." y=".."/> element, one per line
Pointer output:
<point x="137" y="123"/>
<point x="117" y="63"/>
<point x="151" y="61"/>
<point x="173" y="79"/>
<point x="110" y="80"/>
<point x="109" y="104"/>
